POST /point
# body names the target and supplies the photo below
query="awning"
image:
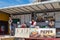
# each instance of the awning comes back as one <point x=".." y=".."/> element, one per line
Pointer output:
<point x="33" y="7"/>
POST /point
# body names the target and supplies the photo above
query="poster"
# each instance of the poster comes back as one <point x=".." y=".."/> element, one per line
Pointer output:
<point x="22" y="32"/>
<point x="43" y="33"/>
<point x="47" y="32"/>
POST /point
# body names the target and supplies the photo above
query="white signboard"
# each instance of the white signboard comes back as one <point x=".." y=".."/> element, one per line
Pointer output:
<point x="22" y="32"/>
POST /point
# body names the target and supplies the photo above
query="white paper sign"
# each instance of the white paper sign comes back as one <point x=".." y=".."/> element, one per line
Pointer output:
<point x="22" y="32"/>
<point x="48" y="32"/>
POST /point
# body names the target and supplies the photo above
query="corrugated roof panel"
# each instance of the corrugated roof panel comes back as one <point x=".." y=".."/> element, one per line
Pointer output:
<point x="42" y="7"/>
<point x="7" y="11"/>
<point x="35" y="7"/>
<point x="24" y="9"/>
<point x="56" y="5"/>
<point x="13" y="10"/>
<point x="48" y="6"/>
<point x="18" y="10"/>
<point x="30" y="8"/>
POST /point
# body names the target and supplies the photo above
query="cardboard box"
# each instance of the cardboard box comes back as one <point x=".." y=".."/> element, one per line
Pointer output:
<point x="8" y="39"/>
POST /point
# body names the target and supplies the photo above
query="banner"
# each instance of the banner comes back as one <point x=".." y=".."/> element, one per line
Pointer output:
<point x="35" y="33"/>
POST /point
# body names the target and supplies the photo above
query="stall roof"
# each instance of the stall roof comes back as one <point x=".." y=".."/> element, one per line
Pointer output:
<point x="33" y="7"/>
